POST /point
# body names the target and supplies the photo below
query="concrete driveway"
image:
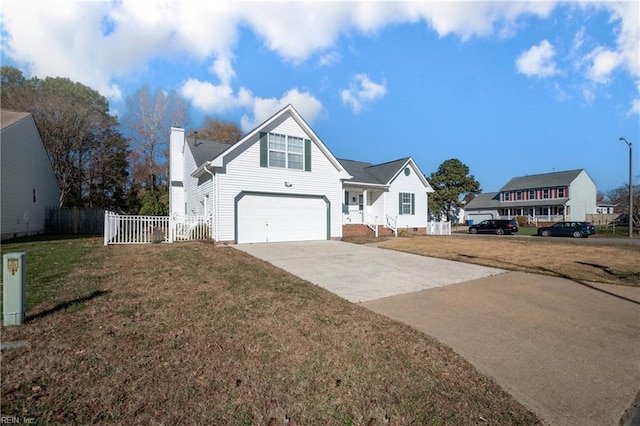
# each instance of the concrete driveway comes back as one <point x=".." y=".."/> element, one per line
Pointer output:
<point x="569" y="351"/>
<point x="360" y="273"/>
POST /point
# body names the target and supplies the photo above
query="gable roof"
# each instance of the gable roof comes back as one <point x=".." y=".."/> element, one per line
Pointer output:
<point x="7" y="118"/>
<point x="484" y="201"/>
<point x="204" y="150"/>
<point x="368" y="173"/>
<point x="218" y="161"/>
<point x="542" y="180"/>
<point x="380" y="174"/>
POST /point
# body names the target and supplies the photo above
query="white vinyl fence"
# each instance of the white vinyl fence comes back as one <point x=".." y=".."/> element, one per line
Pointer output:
<point x="134" y="229"/>
<point x="438" y="228"/>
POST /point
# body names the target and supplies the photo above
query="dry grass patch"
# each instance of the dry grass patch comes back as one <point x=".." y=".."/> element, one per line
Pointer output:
<point x="586" y="260"/>
<point x="202" y="334"/>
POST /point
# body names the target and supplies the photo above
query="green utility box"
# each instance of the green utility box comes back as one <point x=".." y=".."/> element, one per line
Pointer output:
<point x="14" y="283"/>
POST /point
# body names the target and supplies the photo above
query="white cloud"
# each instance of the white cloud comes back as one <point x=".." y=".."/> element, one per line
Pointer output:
<point x="214" y="99"/>
<point x="475" y="18"/>
<point x="222" y="68"/>
<point x="361" y="92"/>
<point x="97" y="42"/>
<point x="538" y="61"/>
<point x="100" y="43"/>
<point x="603" y="63"/>
<point x="330" y="58"/>
<point x="635" y="103"/>
<point x="306" y="104"/>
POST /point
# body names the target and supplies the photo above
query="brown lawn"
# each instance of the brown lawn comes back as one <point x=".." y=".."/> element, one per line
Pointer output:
<point x="194" y="333"/>
<point x="587" y="260"/>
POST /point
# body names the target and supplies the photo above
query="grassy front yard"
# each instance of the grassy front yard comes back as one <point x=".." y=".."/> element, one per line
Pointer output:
<point x="202" y="334"/>
<point x="586" y="260"/>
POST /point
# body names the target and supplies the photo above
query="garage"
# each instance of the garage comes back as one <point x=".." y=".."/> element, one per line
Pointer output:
<point x="263" y="218"/>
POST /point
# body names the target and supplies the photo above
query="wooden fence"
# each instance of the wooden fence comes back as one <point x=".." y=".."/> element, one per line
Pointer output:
<point x="74" y="221"/>
<point x="134" y="229"/>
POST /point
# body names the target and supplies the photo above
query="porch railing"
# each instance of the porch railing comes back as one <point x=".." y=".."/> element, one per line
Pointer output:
<point x="372" y="223"/>
<point x="392" y="223"/>
<point x="353" y="217"/>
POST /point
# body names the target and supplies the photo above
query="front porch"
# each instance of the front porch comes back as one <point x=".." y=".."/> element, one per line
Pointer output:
<point x="362" y="223"/>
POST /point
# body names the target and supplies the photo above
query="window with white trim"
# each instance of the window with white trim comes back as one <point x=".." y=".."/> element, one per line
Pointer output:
<point x="286" y="152"/>
<point x="405" y="203"/>
<point x="561" y="192"/>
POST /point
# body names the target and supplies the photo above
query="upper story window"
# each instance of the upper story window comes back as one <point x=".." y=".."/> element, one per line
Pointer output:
<point x="532" y="194"/>
<point x="286" y="152"/>
<point x="507" y="196"/>
<point x="519" y="195"/>
<point x="545" y="193"/>
<point x="561" y="192"/>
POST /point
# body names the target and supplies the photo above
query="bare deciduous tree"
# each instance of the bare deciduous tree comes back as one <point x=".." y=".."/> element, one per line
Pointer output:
<point x="149" y="117"/>
<point x="214" y="129"/>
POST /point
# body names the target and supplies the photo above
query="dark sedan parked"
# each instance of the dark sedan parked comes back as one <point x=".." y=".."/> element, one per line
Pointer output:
<point x="590" y="227"/>
<point x="565" y="229"/>
<point x="495" y="226"/>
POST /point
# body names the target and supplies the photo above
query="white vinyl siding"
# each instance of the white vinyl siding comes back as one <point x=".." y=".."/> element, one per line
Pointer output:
<point x="197" y="190"/>
<point x="403" y="184"/>
<point x="243" y="173"/>
<point x="29" y="184"/>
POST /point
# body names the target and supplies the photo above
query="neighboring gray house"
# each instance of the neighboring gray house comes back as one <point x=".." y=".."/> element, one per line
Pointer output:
<point x="549" y="197"/>
<point x="281" y="183"/>
<point x="28" y="182"/>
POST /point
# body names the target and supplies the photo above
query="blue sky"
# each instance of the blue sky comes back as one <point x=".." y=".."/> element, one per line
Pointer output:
<point x="508" y="88"/>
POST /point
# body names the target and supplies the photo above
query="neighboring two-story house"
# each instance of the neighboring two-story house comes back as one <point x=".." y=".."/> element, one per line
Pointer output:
<point x="548" y="197"/>
<point x="281" y="183"/>
<point x="29" y="184"/>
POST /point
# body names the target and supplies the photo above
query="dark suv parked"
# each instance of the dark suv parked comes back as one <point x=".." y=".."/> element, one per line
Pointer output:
<point x="495" y="226"/>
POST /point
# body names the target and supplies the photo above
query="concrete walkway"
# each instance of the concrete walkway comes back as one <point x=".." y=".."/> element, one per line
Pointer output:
<point x="568" y="351"/>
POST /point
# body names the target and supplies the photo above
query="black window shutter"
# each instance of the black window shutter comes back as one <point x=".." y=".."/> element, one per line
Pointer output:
<point x="413" y="203"/>
<point x="400" y="203"/>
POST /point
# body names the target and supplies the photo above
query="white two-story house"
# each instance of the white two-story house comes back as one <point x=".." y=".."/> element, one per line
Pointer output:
<point x="281" y="183"/>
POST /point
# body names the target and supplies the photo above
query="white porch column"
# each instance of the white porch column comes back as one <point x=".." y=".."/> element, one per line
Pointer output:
<point x="365" y="197"/>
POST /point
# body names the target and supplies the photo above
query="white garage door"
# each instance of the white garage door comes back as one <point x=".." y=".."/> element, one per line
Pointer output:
<point x="264" y="218"/>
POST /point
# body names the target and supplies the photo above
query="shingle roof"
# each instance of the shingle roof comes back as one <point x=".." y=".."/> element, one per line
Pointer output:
<point x="204" y="150"/>
<point x="378" y="174"/>
<point x="7" y="118"/>
<point x="484" y="201"/>
<point x="544" y="180"/>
